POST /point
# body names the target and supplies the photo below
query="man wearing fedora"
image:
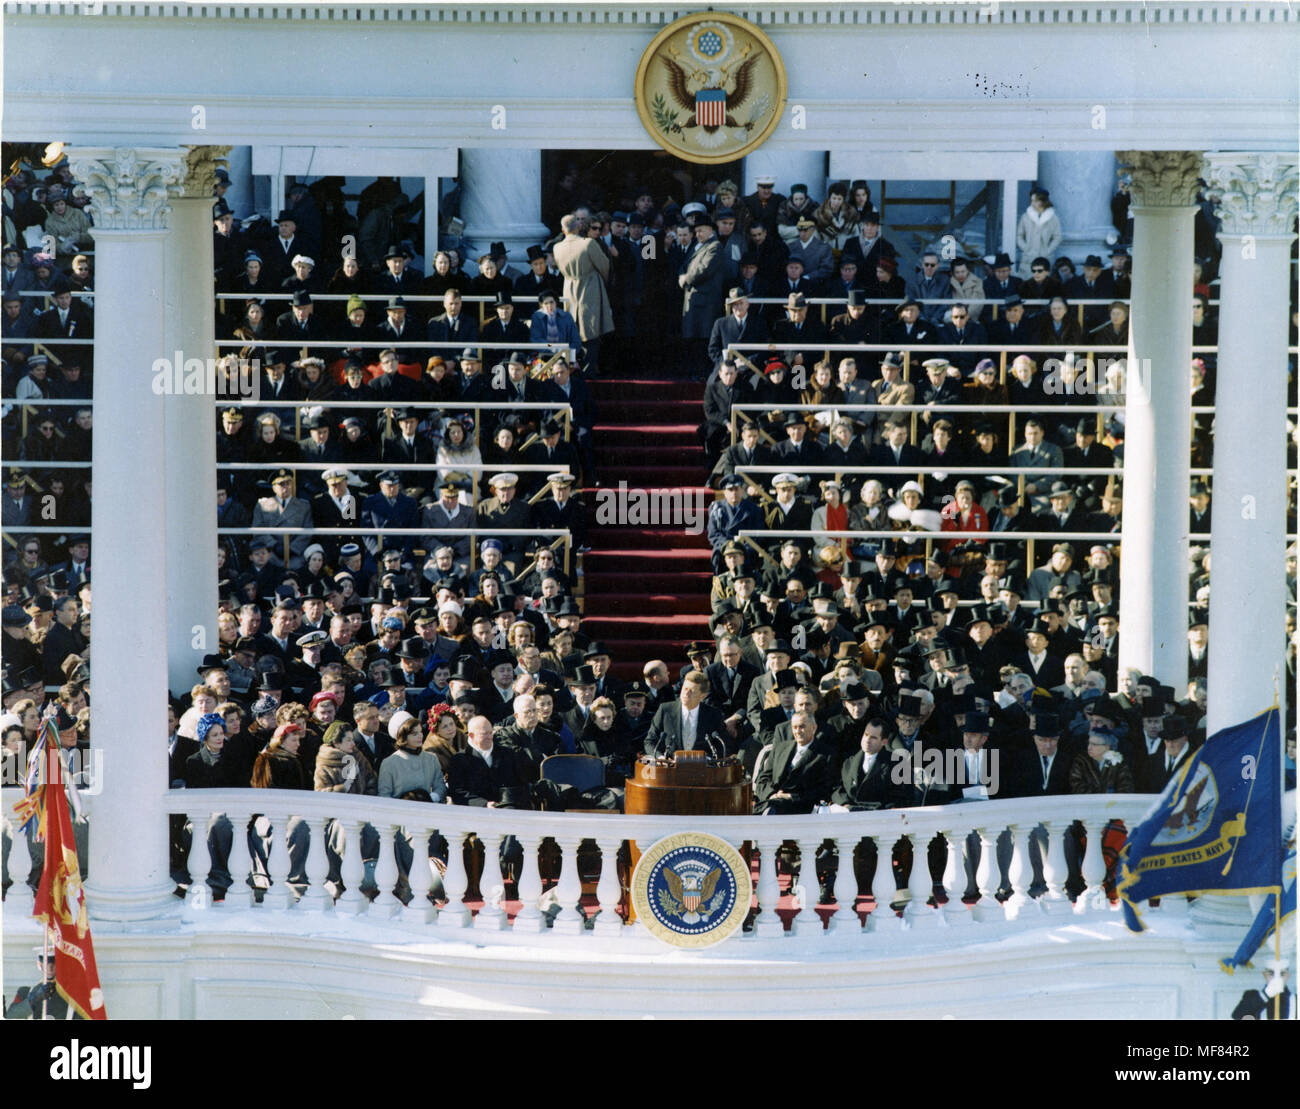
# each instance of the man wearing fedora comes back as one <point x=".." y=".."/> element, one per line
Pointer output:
<point x="800" y="334"/>
<point x="909" y="326"/>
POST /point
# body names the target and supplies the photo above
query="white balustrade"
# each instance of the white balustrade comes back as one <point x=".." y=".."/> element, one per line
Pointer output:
<point x="300" y="821"/>
<point x="20" y="898"/>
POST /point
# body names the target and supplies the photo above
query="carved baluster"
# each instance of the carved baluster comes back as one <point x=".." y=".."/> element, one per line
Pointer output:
<point x="199" y="896"/>
<point x="986" y="879"/>
<point x="883" y="887"/>
<point x="955" y="912"/>
<point x="609" y="890"/>
<point x="1093" y="898"/>
<point x="240" y="894"/>
<point x="386" y="903"/>
<point x="1055" y="868"/>
<point x="845" y="918"/>
<point x="920" y="886"/>
<point x="19" y="899"/>
<point x="530" y="917"/>
<point x="352" y="870"/>
<point x="1020" y="905"/>
<point x="316" y="896"/>
<point x="767" y="923"/>
<point x="455" y="914"/>
<point x="806" y="921"/>
<point x="492" y="916"/>
<point x="568" y="890"/>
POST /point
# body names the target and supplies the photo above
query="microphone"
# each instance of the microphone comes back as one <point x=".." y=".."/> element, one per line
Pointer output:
<point x="711" y="739"/>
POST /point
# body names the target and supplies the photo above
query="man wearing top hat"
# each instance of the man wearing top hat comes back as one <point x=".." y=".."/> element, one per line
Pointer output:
<point x="286" y="245"/>
<point x="298" y="327"/>
<point x="868" y="245"/>
<point x="503" y="327"/>
<point x="539" y="278"/>
<point x="408" y="446"/>
<point x="397" y="278"/>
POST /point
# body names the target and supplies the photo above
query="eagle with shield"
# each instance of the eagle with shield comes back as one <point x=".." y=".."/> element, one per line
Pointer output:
<point x="711" y="87"/>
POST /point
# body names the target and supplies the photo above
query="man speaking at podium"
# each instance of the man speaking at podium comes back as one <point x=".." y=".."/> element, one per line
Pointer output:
<point x="689" y="724"/>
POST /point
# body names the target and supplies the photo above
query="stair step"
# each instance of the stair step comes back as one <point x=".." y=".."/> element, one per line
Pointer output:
<point x="650" y="538"/>
<point x="658" y="430"/>
<point x="602" y="584"/>
<point x="625" y="560"/>
<point x="671" y="604"/>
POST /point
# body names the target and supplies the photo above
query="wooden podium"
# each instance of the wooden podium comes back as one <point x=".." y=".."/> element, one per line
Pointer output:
<point x="688" y="786"/>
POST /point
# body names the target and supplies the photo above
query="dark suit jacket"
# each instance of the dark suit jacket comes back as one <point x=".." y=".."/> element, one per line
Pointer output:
<point x="727" y="330"/>
<point x="730" y="700"/>
<point x="876" y="790"/>
<point x="808" y="784"/>
<point x="473" y="782"/>
<point x="665" y="734"/>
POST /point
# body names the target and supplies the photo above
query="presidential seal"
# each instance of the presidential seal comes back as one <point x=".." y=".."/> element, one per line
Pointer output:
<point x="691" y="889"/>
<point x="710" y="87"/>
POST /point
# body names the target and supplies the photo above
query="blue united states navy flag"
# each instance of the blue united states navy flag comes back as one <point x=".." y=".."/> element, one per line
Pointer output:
<point x="1270" y="917"/>
<point x="1217" y="827"/>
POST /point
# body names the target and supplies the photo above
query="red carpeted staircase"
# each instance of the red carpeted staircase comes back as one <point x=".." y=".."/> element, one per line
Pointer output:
<point x="647" y="585"/>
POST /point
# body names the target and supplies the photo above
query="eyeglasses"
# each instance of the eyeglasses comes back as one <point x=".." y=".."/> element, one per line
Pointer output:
<point x="959" y="315"/>
<point x="1038" y="269"/>
<point x="929" y="265"/>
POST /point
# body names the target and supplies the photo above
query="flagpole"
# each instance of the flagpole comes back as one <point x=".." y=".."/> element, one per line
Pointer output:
<point x="45" y="975"/>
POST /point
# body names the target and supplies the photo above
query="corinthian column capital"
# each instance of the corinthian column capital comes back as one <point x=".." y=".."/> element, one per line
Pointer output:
<point x="199" y="175"/>
<point x="1254" y="194"/>
<point x="129" y="187"/>
<point x="1162" y="178"/>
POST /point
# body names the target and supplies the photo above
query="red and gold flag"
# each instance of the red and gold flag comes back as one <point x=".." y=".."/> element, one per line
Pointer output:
<point x="60" y="900"/>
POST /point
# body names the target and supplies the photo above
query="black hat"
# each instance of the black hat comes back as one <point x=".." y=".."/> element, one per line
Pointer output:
<point x="210" y="662"/>
<point x="1002" y="258"/>
<point x="909" y="704"/>
<point x="705" y="220"/>
<point x="595" y="649"/>
<point x="910" y="302"/>
<point x="504" y="297"/>
<point x="1175" y="727"/>
<point x="466" y="669"/>
<point x="1046" y="724"/>
<point x="785" y="679"/>
<point x="1011" y="300"/>
<point x="535" y="252"/>
<point x="413" y="647"/>
<point x="300" y="299"/>
<point x="394" y="252"/>
<point x="637" y="688"/>
<point x="1093" y="260"/>
<point x="396" y="302"/>
<point x="977" y="722"/>
<point x="697" y="647"/>
<point x="782" y="645"/>
<point x="980" y="614"/>
<point x="285" y="214"/>
<point x="857" y="298"/>
<point x="583" y="675"/>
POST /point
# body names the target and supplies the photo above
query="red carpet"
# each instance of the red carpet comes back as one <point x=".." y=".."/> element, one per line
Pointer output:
<point x="647" y="584"/>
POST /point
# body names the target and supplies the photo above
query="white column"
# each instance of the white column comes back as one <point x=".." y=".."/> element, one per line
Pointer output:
<point x="130" y="191"/>
<point x="789" y="167"/>
<point x="432" y="189"/>
<point x="1081" y="183"/>
<point x="1010" y="215"/>
<point x="1157" y="430"/>
<point x="240" y="195"/>
<point x="191" y="427"/>
<point x="501" y="200"/>
<point x="1256" y="195"/>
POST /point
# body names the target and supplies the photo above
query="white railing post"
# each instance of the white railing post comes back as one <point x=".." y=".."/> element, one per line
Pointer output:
<point x="455" y="914"/>
<point x="530" y="917"/>
<point x="987" y="907"/>
<point x="1093" y="898"/>
<point x="609" y="891"/>
<point x="920" y="886"/>
<point x="1019" y="905"/>
<point x="386" y="902"/>
<point x="883" y="887"/>
<point x="768" y="923"/>
<point x="1055" y="868"/>
<point x="955" y="913"/>
<point x="419" y="910"/>
<point x="279" y="895"/>
<point x="570" y="919"/>
<point x="316" y="897"/>
<point x="198" y="897"/>
<point x="845" y="918"/>
<point x="20" y="898"/>
<point x="492" y="916"/>
<point x="352" y="870"/>
<point x="240" y="893"/>
<point x="806" y="921"/>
